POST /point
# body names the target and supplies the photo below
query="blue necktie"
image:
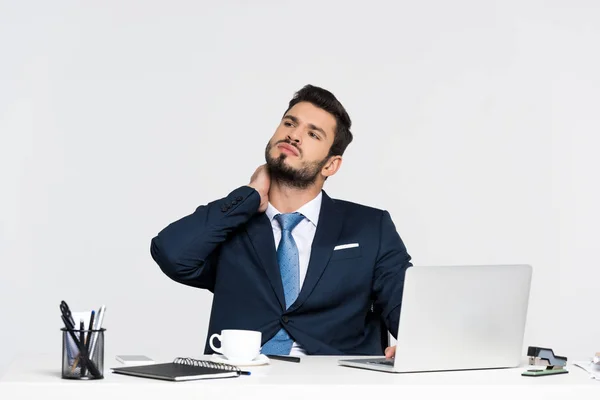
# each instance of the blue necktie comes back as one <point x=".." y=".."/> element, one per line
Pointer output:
<point x="289" y="266"/>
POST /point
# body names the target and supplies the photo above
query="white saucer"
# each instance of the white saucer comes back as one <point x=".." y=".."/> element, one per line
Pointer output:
<point x="260" y="360"/>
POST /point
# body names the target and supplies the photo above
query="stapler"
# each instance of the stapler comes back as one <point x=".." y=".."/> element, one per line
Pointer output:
<point x="555" y="364"/>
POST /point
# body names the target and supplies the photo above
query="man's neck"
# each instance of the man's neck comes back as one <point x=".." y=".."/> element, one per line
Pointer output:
<point x="287" y="199"/>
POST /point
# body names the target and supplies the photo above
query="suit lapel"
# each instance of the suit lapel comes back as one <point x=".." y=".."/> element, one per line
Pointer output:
<point x="328" y="231"/>
<point x="260" y="233"/>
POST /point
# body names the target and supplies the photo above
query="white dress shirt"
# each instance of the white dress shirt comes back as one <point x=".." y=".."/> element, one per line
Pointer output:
<point x="303" y="235"/>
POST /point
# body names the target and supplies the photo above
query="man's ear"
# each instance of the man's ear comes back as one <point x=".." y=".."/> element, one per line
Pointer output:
<point x="332" y="166"/>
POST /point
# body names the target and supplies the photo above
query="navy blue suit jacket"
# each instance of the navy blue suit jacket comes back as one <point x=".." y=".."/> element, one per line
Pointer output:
<point x="227" y="247"/>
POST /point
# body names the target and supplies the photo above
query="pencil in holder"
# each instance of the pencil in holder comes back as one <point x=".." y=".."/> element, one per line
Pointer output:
<point x="83" y="353"/>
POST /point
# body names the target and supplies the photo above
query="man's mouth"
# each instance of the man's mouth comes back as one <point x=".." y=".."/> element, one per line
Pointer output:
<point x="288" y="149"/>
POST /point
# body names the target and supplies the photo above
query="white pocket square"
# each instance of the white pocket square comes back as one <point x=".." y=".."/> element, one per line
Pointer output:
<point x="345" y="246"/>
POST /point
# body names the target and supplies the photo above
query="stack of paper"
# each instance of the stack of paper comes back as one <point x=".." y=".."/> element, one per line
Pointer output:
<point x="589" y="366"/>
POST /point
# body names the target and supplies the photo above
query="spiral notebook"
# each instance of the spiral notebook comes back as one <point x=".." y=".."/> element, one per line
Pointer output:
<point x="183" y="369"/>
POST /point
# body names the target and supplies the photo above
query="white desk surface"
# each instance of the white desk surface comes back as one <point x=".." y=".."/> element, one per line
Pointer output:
<point x="39" y="377"/>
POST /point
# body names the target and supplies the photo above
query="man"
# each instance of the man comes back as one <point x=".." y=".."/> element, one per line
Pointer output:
<point x="313" y="274"/>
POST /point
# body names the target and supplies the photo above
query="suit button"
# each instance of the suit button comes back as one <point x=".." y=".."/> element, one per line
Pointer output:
<point x="239" y="198"/>
<point x="224" y="208"/>
<point x="234" y="202"/>
<point x="285" y="319"/>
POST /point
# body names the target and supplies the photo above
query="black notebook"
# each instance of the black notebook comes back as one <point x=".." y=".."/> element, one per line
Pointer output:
<point x="183" y="369"/>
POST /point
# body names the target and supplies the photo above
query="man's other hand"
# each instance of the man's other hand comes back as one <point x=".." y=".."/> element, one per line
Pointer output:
<point x="390" y="352"/>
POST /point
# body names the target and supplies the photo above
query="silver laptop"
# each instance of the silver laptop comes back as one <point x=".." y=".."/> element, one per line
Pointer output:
<point x="457" y="318"/>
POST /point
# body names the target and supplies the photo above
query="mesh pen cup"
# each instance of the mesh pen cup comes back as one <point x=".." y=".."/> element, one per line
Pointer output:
<point x="83" y="353"/>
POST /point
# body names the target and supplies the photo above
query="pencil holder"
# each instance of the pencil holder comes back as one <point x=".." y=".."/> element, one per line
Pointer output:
<point x="82" y="353"/>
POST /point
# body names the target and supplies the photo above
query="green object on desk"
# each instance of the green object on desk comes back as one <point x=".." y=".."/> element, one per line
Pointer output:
<point x="545" y="372"/>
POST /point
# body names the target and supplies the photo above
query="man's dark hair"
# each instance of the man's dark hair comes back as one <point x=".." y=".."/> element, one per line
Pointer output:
<point x="325" y="100"/>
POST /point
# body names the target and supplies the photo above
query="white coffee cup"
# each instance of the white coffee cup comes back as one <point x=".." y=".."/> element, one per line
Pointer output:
<point x="237" y="345"/>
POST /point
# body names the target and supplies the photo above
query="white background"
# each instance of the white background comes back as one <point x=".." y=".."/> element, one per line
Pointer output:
<point x="476" y="126"/>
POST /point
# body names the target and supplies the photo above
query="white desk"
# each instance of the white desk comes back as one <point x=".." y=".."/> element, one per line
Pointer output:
<point x="314" y="377"/>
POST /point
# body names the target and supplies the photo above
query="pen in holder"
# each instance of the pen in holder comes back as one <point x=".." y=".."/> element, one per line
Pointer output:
<point x="82" y="353"/>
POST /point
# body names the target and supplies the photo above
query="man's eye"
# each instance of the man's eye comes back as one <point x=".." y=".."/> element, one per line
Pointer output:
<point x="288" y="124"/>
<point x="314" y="135"/>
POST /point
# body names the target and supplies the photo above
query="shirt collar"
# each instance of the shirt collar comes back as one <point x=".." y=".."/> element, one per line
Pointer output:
<point x="310" y="210"/>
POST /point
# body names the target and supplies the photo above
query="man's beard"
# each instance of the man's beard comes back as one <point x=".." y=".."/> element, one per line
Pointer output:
<point x="289" y="176"/>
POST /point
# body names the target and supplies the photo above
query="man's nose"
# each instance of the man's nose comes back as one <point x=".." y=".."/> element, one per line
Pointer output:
<point x="294" y="135"/>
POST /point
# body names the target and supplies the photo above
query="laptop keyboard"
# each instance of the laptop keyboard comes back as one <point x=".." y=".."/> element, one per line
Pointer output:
<point x="382" y="362"/>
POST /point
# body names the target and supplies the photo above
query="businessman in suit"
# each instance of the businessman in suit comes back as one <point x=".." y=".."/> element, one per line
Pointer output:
<point x="314" y="275"/>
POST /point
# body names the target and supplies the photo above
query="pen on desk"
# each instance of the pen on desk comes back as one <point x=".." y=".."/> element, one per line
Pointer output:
<point x="284" y="358"/>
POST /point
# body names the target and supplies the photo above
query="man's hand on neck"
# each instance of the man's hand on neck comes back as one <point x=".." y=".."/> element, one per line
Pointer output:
<point x="261" y="182"/>
<point x="284" y="198"/>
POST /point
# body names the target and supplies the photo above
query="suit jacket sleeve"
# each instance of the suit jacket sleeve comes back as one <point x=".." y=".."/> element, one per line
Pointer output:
<point x="187" y="249"/>
<point x="390" y="268"/>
